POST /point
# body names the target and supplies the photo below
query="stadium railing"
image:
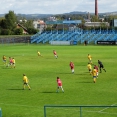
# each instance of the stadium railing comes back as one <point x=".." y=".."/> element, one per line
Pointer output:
<point x="86" y="35"/>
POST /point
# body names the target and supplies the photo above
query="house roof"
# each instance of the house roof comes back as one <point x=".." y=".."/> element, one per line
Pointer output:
<point x="22" y="26"/>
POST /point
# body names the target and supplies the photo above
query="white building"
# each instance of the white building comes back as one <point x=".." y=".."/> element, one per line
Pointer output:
<point x="39" y="24"/>
<point x="96" y="24"/>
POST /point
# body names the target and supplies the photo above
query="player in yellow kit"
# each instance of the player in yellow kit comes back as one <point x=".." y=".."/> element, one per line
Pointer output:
<point x="94" y="73"/>
<point x="13" y="60"/>
<point x="25" y="82"/>
<point x="38" y="53"/>
<point x="90" y="58"/>
<point x="4" y="59"/>
<point x="89" y="68"/>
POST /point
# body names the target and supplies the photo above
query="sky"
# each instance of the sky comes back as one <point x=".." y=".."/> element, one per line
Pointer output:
<point x="56" y="6"/>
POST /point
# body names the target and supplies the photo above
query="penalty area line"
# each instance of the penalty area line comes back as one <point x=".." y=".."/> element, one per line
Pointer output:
<point x="106" y="108"/>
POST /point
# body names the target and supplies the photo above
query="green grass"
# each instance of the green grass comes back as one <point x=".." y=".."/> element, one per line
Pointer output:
<point x="42" y="72"/>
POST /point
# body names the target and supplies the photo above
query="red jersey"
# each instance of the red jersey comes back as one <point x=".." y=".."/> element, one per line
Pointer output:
<point x="55" y="53"/>
<point x="59" y="82"/>
<point x="71" y="65"/>
<point x="11" y="60"/>
<point x="96" y="67"/>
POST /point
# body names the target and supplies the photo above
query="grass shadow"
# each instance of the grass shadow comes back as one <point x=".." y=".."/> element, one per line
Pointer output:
<point x="85" y="82"/>
<point x="4" y="67"/>
<point x="48" y="92"/>
<point x="15" y="89"/>
<point x="79" y="74"/>
<point x="65" y="73"/>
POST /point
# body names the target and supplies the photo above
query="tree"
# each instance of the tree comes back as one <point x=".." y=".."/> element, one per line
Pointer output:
<point x="32" y="31"/>
<point x="18" y="31"/>
<point x="29" y="24"/>
<point x="3" y="23"/>
<point x="5" y="32"/>
<point x="95" y="19"/>
<point x="10" y="20"/>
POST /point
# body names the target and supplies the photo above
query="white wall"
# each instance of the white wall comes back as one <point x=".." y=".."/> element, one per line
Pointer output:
<point x="60" y="42"/>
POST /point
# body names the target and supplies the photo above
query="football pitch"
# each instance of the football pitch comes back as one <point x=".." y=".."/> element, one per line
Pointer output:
<point x="42" y="71"/>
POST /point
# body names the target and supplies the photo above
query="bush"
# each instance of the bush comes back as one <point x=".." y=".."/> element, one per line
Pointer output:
<point x="18" y="31"/>
<point x="5" y="32"/>
<point x="32" y="31"/>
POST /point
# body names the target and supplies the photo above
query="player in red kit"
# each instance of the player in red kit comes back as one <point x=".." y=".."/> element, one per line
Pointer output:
<point x="59" y="85"/>
<point x="71" y="66"/>
<point x="55" y="54"/>
<point x="10" y="62"/>
<point x="96" y="67"/>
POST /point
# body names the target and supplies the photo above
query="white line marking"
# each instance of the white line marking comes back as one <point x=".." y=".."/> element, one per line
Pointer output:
<point x="102" y="112"/>
<point x="106" y="108"/>
<point x="19" y="105"/>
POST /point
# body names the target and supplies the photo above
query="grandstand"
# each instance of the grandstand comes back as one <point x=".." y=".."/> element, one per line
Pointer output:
<point x="75" y="34"/>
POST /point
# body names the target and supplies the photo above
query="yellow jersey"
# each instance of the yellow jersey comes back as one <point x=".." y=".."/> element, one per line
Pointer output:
<point x="89" y="57"/>
<point x="13" y="61"/>
<point x="4" y="58"/>
<point x="38" y="53"/>
<point x="89" y="66"/>
<point x="25" y="79"/>
<point x="94" y="72"/>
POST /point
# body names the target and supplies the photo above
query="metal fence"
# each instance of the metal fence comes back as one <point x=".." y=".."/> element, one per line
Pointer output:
<point x="14" y="40"/>
<point x="0" y="112"/>
<point x="93" y="111"/>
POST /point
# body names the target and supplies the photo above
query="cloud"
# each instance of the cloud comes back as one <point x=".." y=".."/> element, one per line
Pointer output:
<point x="55" y="6"/>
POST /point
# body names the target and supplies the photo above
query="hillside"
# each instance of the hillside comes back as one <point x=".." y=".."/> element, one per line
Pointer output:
<point x="40" y="16"/>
